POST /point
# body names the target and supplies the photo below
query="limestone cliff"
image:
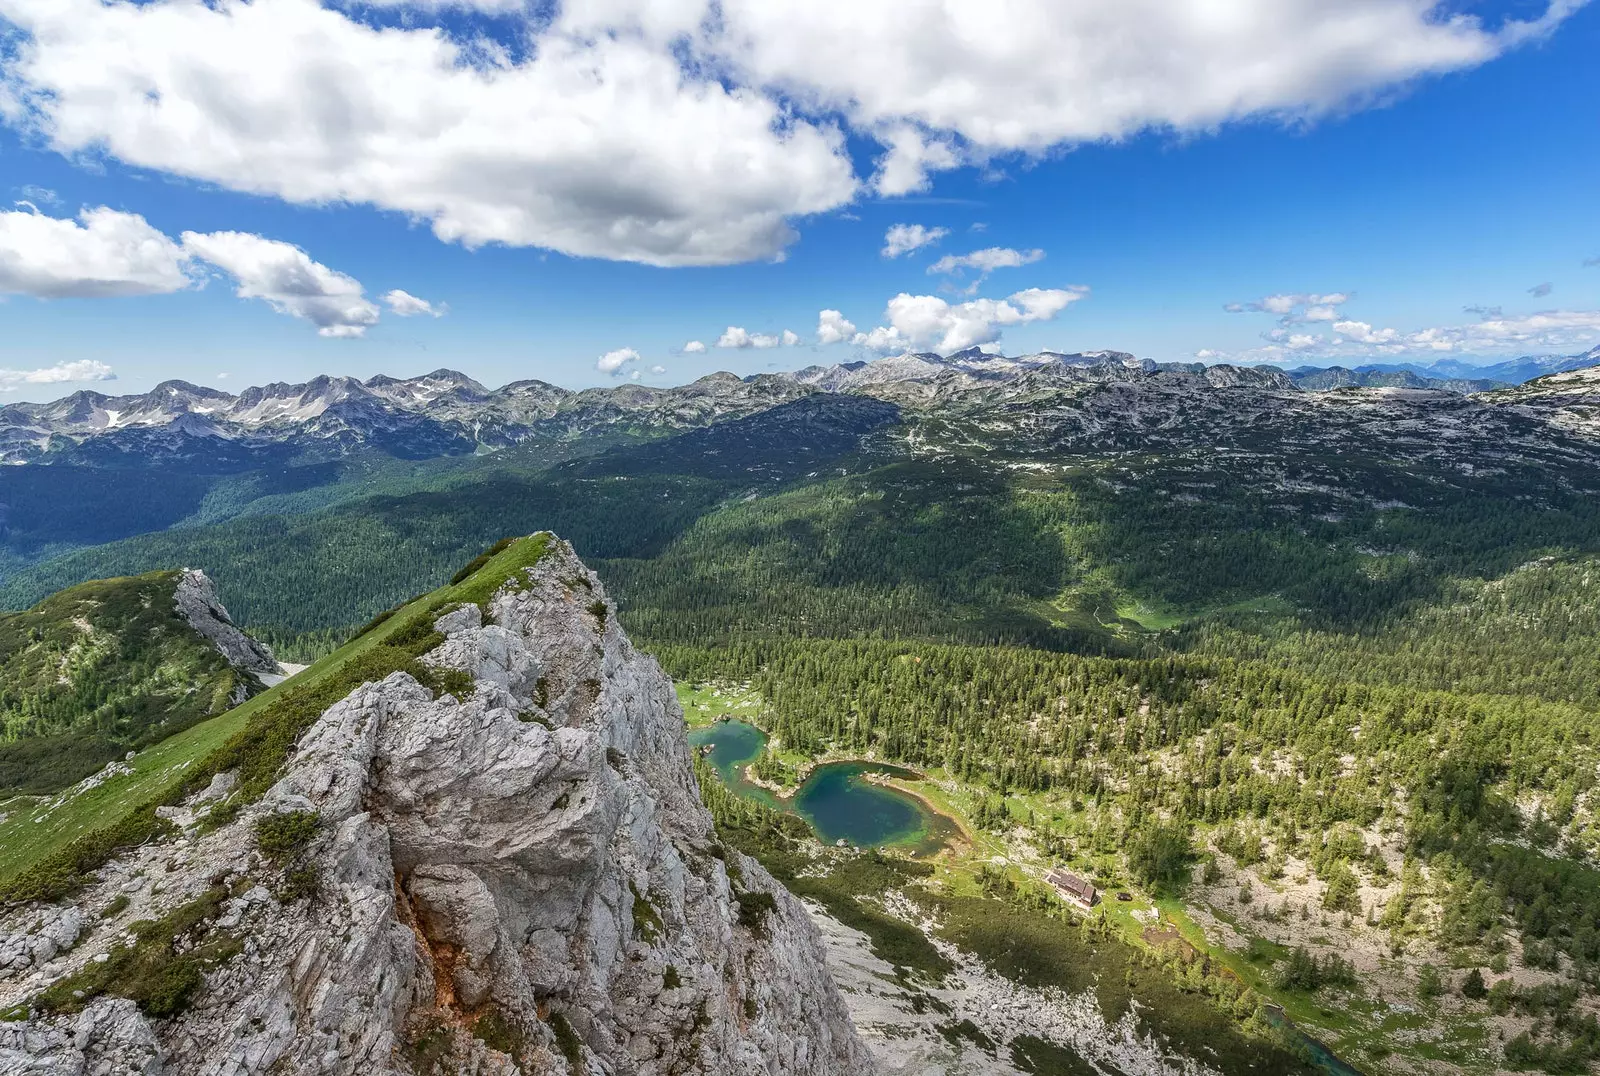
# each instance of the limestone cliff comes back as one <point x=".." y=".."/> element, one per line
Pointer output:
<point x="516" y="876"/>
<point x="195" y="598"/>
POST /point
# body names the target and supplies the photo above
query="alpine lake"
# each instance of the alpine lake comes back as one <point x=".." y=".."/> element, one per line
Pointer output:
<point x="838" y="800"/>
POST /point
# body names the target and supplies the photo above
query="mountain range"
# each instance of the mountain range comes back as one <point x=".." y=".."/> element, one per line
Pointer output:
<point x="1319" y="665"/>
<point x="446" y="413"/>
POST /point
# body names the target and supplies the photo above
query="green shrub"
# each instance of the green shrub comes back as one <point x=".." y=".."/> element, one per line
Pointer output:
<point x="160" y="970"/>
<point x="754" y="909"/>
<point x="647" y="925"/>
<point x="446" y="681"/>
<point x="300" y="882"/>
<point x="283" y="837"/>
<point x="495" y="1031"/>
<point x="567" y="1040"/>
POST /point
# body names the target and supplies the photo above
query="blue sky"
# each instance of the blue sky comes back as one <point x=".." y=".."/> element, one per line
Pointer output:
<point x="1459" y="175"/>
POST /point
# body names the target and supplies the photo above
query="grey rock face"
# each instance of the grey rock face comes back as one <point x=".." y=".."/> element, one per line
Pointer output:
<point x="523" y="880"/>
<point x="197" y="602"/>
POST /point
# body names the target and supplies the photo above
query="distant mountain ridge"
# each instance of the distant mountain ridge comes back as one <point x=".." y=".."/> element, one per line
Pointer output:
<point x="447" y="413"/>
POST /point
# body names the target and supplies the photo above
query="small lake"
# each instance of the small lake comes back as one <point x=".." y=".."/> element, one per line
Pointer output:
<point x="837" y="800"/>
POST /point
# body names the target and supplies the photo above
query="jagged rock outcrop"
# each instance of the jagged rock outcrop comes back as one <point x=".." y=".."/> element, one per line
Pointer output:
<point x="196" y="599"/>
<point x="519" y="879"/>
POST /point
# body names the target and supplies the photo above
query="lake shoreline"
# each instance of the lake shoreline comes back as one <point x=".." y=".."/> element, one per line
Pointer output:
<point x="934" y="831"/>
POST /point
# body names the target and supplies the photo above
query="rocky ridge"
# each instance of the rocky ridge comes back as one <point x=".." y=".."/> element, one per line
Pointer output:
<point x="515" y="875"/>
<point x="195" y="597"/>
<point x="445" y="413"/>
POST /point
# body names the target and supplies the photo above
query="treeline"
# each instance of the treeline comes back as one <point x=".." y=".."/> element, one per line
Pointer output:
<point x="1215" y="741"/>
<point x="96" y="671"/>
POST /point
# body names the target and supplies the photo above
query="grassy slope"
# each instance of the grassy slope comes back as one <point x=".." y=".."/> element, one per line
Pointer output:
<point x="167" y="770"/>
<point x="97" y="670"/>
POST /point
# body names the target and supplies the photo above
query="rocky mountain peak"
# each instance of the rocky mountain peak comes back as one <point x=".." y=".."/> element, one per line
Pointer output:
<point x="511" y="875"/>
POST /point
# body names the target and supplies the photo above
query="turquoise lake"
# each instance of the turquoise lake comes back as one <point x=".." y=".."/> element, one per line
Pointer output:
<point x="837" y="800"/>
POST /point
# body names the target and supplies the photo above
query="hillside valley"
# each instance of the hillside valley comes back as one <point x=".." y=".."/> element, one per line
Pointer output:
<point x="1309" y="675"/>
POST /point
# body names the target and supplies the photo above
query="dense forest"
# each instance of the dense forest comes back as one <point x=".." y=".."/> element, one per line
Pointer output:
<point x="98" y="670"/>
<point x="1184" y="670"/>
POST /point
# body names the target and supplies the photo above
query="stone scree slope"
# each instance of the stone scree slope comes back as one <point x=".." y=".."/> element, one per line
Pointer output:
<point x="522" y="880"/>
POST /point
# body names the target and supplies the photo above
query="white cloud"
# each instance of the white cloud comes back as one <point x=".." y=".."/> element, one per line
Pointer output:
<point x="444" y="5"/>
<point x="904" y="238"/>
<point x="687" y="132"/>
<point x="833" y="327"/>
<point x="987" y="260"/>
<point x="911" y="156"/>
<point x="1294" y="308"/>
<point x="80" y="370"/>
<point x="597" y="145"/>
<point x="736" y="337"/>
<point x="1362" y="333"/>
<point x="658" y="370"/>
<point x="1549" y="331"/>
<point x="1031" y="75"/>
<point x="694" y="347"/>
<point x="612" y="362"/>
<point x="288" y="280"/>
<point x="37" y="194"/>
<point x="103" y="253"/>
<point x="927" y="322"/>
<point x="405" y="305"/>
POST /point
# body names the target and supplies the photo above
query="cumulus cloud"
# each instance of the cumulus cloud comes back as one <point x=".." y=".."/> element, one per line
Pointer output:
<point x="986" y="261"/>
<point x="1557" y="331"/>
<point x="405" y="305"/>
<point x="288" y="280"/>
<point x="1045" y="73"/>
<point x="694" y="347"/>
<point x="983" y="262"/>
<point x="927" y="322"/>
<point x="103" y="253"/>
<point x="904" y="238"/>
<point x="736" y="337"/>
<point x="689" y="132"/>
<point x="1539" y="291"/>
<point x="911" y="156"/>
<point x="597" y="145"/>
<point x="1294" y="341"/>
<point x="109" y="253"/>
<point x="1294" y="308"/>
<point x="1362" y="333"/>
<point x="613" y="362"/>
<point x="61" y="373"/>
<point x="834" y="328"/>
<point x="658" y="370"/>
